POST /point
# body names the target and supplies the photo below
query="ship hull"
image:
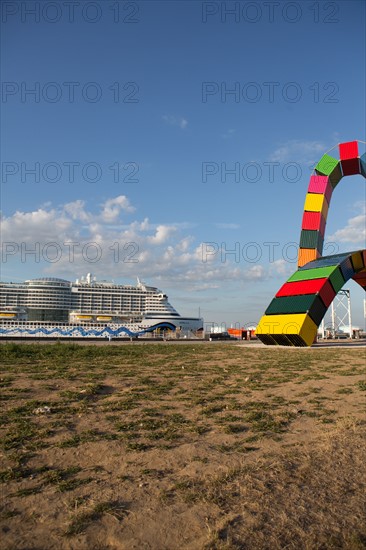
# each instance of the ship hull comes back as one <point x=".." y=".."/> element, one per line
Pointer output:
<point x="148" y="327"/>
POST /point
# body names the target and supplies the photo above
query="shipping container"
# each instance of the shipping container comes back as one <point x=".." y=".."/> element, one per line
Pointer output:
<point x="322" y="287"/>
<point x="321" y="185"/>
<point x="311" y="239"/>
<point x="301" y="287"/>
<point x="310" y="303"/>
<point x="316" y="203"/>
<point x="288" y="329"/>
<point x="326" y="261"/>
<point x="360" y="278"/>
<point x="333" y="273"/>
<point x="363" y="165"/>
<point x="347" y="269"/>
<point x="336" y="279"/>
<point x="313" y="221"/>
<point x="331" y="167"/>
<point x="307" y="255"/>
<point x="357" y="261"/>
<point x="343" y="260"/>
<point x="349" y="158"/>
<point x="348" y="150"/>
<point x="327" y="294"/>
<point x="241" y="333"/>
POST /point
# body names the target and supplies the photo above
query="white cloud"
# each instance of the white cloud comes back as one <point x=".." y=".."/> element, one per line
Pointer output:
<point x="76" y="210"/>
<point x="281" y="267"/>
<point x="303" y="152"/>
<point x="113" y="207"/>
<point x="162" y="234"/>
<point x="179" y="121"/>
<point x="159" y="253"/>
<point x="34" y="226"/>
<point x="354" y="232"/>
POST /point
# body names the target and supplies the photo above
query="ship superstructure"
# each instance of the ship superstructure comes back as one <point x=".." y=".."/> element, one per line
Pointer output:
<point x="49" y="301"/>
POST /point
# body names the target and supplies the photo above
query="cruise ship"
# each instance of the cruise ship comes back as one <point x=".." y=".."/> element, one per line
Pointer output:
<point x="87" y="308"/>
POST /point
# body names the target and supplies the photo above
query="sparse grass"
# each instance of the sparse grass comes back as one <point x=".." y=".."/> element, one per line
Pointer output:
<point x="344" y="390"/>
<point x="84" y="519"/>
<point x="238" y="432"/>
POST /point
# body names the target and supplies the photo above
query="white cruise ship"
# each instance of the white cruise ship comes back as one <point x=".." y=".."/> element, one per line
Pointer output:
<point x="52" y="307"/>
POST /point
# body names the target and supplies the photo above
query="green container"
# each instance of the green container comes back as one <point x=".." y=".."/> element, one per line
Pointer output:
<point x="311" y="238"/>
<point x="315" y="273"/>
<point x="332" y="273"/>
<point x="337" y="280"/>
<point x="309" y="303"/>
<point x="331" y="167"/>
<point x="290" y="304"/>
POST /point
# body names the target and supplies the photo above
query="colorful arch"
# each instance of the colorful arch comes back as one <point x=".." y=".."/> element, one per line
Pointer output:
<point x="295" y="313"/>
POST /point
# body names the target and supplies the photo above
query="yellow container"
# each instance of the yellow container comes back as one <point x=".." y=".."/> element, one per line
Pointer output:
<point x="103" y="318"/>
<point x="357" y="261"/>
<point x="299" y="324"/>
<point x="315" y="202"/>
<point x="8" y="315"/>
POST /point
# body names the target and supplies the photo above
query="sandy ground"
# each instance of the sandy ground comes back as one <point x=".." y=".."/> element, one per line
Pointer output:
<point x="213" y="446"/>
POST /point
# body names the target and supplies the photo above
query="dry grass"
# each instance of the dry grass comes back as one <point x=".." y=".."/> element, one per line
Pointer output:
<point x="196" y="446"/>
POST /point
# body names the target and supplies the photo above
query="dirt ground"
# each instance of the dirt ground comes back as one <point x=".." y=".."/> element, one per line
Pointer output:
<point x="197" y="446"/>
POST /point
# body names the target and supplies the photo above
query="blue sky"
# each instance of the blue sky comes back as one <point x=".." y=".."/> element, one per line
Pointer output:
<point x="160" y="136"/>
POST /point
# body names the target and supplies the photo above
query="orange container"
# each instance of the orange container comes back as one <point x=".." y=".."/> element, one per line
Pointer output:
<point x="307" y="255"/>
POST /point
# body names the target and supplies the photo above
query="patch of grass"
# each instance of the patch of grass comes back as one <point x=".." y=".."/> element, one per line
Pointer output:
<point x="57" y="475"/>
<point x="27" y="409"/>
<point x="26" y="492"/>
<point x="82" y="521"/>
<point x="8" y="514"/>
<point x="238" y="447"/>
<point x="6" y="381"/>
<point x="344" y="391"/>
<point x="136" y="446"/>
<point x="264" y="422"/>
<point x="22" y="434"/>
<point x="122" y="405"/>
<point x="77" y="439"/>
<point x="11" y="474"/>
<point x="235" y="428"/>
<point x="71" y="484"/>
<point x="88" y="392"/>
<point x="213" y="409"/>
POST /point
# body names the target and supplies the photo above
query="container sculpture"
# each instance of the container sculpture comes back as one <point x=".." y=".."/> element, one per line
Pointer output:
<point x="295" y="313"/>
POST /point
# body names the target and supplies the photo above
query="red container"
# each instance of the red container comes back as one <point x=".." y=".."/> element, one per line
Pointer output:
<point x="348" y="150"/>
<point x="313" y="221"/>
<point x="321" y="185"/>
<point x="327" y="293"/>
<point x="360" y="278"/>
<point x="312" y="286"/>
<point x="350" y="162"/>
